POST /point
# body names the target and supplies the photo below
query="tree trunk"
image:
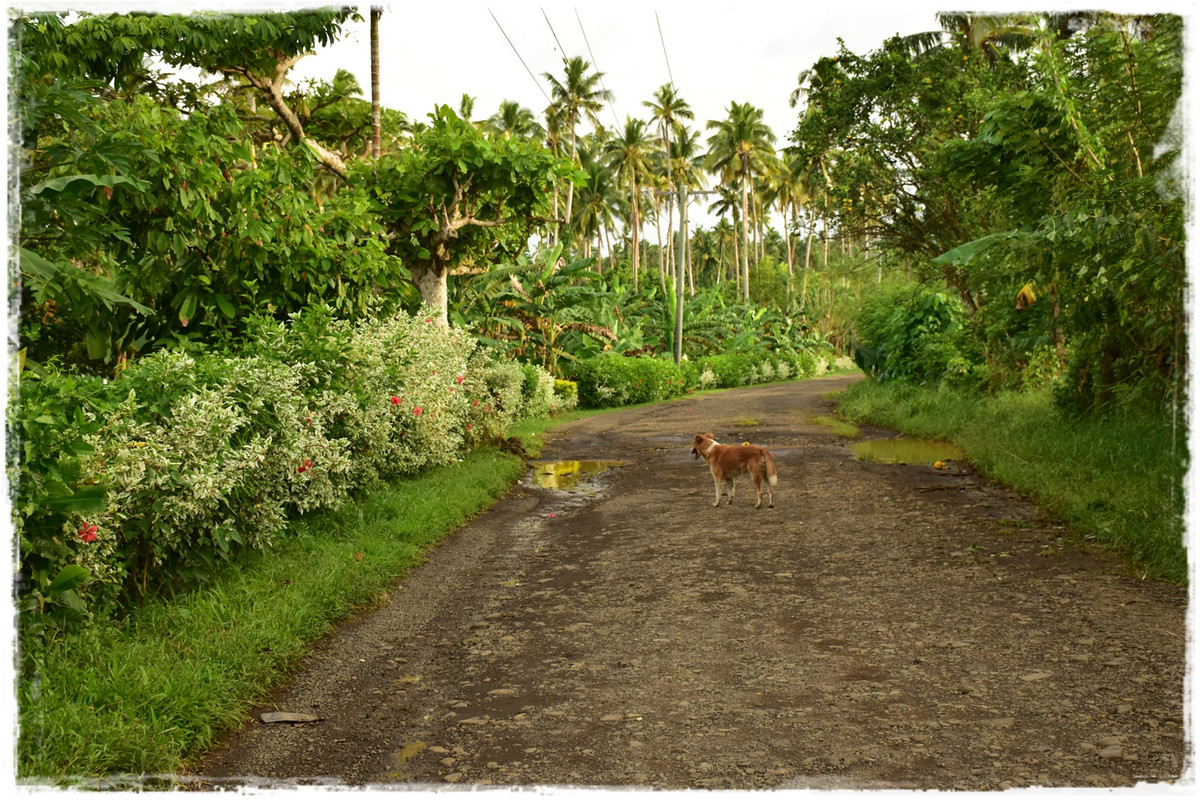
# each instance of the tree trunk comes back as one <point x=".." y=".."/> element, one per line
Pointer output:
<point x="376" y="137"/>
<point x="430" y="280"/>
<point x="790" y="246"/>
<point x="662" y="262"/>
<point x="807" y="266"/>
<point x="570" y="187"/>
<point x="636" y="223"/>
<point x="272" y="92"/>
<point x="746" y="237"/>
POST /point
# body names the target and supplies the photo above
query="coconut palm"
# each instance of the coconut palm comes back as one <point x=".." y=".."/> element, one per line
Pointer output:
<point x="727" y="204"/>
<point x="466" y="107"/>
<point x="580" y="95"/>
<point x="787" y="189"/>
<point x="685" y="157"/>
<point x="514" y="120"/>
<point x="630" y="155"/>
<point x="669" y="110"/>
<point x="376" y="138"/>
<point x="601" y="201"/>
<point x="988" y="34"/>
<point x="738" y="149"/>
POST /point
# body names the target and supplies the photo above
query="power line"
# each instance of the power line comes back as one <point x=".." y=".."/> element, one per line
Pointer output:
<point x="561" y="49"/>
<point x="664" y="47"/>
<point x="616" y="119"/>
<point x="523" y="64"/>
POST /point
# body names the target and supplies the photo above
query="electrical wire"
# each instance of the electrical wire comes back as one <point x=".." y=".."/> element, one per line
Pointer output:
<point x="664" y="47"/>
<point x="523" y="64"/>
<point x="616" y="119"/>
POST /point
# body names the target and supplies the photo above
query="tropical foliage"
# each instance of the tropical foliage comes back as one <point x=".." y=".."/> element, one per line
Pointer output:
<point x="223" y="281"/>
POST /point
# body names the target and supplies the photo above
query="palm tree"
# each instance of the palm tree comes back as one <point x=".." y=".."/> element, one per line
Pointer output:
<point x="466" y="107"/>
<point x="376" y="138"/>
<point x="514" y="120"/>
<point x="669" y="110"/>
<point x="740" y="147"/>
<point x="684" y="157"/>
<point x="788" y="190"/>
<point x="601" y="201"/>
<point x="629" y="155"/>
<point x="987" y="34"/>
<point x="580" y="95"/>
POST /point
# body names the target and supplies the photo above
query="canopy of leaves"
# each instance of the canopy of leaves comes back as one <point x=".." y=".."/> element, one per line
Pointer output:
<point x="455" y="197"/>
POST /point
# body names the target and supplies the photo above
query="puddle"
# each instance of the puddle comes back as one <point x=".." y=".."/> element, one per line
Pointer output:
<point x="565" y="475"/>
<point x="907" y="451"/>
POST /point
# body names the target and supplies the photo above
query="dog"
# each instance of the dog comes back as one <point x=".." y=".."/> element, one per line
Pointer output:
<point x="726" y="461"/>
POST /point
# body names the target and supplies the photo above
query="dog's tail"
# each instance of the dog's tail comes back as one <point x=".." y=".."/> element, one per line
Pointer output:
<point x="770" y="468"/>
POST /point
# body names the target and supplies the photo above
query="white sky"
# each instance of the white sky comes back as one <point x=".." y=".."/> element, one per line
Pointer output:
<point x="718" y="51"/>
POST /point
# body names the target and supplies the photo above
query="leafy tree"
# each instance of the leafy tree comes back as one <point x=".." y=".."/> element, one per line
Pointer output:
<point x="257" y="49"/>
<point x="457" y="201"/>
<point x="1089" y="240"/>
<point x="872" y="131"/>
<point x="142" y="221"/>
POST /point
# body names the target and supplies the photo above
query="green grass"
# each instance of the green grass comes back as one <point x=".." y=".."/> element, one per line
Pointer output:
<point x="1118" y="480"/>
<point x="149" y="695"/>
<point x="837" y="426"/>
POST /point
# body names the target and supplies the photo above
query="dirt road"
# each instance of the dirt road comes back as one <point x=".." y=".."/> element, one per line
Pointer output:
<point x="883" y="626"/>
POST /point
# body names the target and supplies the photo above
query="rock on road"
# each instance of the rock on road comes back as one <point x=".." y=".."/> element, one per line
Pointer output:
<point x="883" y="626"/>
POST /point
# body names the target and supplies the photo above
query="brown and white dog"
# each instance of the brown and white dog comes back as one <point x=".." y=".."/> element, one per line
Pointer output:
<point x="726" y="461"/>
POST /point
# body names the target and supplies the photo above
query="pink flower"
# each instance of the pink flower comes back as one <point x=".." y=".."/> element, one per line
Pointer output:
<point x="88" y="533"/>
<point x="476" y="402"/>
<point x="417" y="411"/>
<point x="305" y="467"/>
<point x="468" y="426"/>
<point x="395" y="400"/>
<point x="460" y="378"/>
<point x="452" y="388"/>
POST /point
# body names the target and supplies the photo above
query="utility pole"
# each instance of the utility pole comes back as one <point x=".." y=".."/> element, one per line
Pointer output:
<point x="680" y="260"/>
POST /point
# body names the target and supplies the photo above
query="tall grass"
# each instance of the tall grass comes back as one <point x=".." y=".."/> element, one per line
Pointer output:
<point x="144" y="696"/>
<point x="1117" y="479"/>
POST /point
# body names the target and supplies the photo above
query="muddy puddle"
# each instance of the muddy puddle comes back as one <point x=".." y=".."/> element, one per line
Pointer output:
<point x="566" y="475"/>
<point x="907" y="451"/>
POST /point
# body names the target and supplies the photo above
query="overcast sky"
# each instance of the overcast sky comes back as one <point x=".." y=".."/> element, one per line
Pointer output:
<point x="715" y="51"/>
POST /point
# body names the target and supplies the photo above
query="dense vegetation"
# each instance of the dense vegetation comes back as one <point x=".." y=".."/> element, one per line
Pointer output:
<point x="243" y="303"/>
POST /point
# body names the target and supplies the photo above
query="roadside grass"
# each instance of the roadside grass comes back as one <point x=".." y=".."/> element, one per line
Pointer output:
<point x="837" y="426"/>
<point x="146" y="696"/>
<point x="1118" y="480"/>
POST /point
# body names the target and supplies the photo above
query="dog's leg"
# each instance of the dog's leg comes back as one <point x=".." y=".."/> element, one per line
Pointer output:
<point x="757" y="486"/>
<point x="729" y="486"/>
<point x="717" y="484"/>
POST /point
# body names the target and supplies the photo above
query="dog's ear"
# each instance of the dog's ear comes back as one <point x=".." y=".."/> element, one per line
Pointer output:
<point x="709" y="436"/>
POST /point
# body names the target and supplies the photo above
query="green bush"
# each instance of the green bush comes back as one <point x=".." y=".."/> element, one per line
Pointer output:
<point x="145" y="482"/>
<point x="911" y="332"/>
<point x="615" y="380"/>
